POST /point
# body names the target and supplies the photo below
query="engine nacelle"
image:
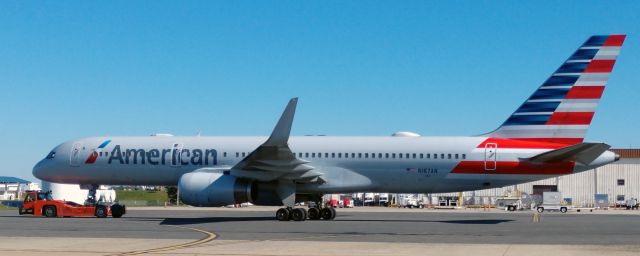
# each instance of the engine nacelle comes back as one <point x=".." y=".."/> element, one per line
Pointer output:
<point x="217" y="189"/>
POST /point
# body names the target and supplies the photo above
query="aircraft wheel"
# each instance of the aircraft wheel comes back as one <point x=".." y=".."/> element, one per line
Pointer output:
<point x="282" y="214"/>
<point x="540" y="209"/>
<point x="50" y="211"/>
<point x="314" y="214"/>
<point x="298" y="214"/>
<point x="328" y="213"/>
<point x="101" y="211"/>
<point x="563" y="209"/>
<point x="117" y="210"/>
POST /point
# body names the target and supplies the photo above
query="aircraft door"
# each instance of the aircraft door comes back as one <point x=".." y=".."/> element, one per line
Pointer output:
<point x="490" y="152"/>
<point x="76" y="154"/>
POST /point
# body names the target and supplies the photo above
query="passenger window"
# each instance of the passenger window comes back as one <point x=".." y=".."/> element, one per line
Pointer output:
<point x="449" y="156"/>
<point x="306" y="155"/>
<point x="386" y="155"/>
<point x="435" y="156"/>
<point x="393" y="155"/>
<point x="313" y="155"/>
<point x="333" y="155"/>
<point x="237" y="154"/>
<point x="224" y="154"/>
<point x="456" y="156"/>
<point x="353" y="155"/>
<point x="339" y="155"/>
<point x="464" y="156"/>
<point x="359" y="155"/>
<point x="106" y="153"/>
<point x="346" y="155"/>
<point x="243" y="154"/>
<point x="326" y="155"/>
<point x="428" y="156"/>
<point x="414" y="155"/>
<point x="407" y="155"/>
<point x="400" y="155"/>
<point x="366" y="155"/>
<point x="441" y="156"/>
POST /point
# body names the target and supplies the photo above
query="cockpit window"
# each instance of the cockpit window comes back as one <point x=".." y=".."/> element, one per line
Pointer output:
<point x="51" y="155"/>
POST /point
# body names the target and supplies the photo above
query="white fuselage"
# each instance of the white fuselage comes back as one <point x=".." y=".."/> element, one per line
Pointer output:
<point x="346" y="164"/>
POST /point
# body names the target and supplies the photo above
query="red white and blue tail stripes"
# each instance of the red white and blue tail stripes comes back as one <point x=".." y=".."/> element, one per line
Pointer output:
<point x="561" y="110"/>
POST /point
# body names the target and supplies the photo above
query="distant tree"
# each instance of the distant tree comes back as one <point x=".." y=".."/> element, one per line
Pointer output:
<point x="172" y="193"/>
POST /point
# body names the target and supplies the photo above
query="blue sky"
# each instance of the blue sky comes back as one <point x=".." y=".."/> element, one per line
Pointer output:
<point x="76" y="69"/>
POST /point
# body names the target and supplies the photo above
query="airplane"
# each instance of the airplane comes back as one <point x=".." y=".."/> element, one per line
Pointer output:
<point x="543" y="138"/>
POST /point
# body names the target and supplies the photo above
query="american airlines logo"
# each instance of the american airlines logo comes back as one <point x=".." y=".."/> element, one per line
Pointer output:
<point x="174" y="156"/>
<point x="94" y="155"/>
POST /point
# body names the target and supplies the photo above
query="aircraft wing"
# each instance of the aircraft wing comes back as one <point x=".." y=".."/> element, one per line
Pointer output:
<point x="583" y="153"/>
<point x="273" y="160"/>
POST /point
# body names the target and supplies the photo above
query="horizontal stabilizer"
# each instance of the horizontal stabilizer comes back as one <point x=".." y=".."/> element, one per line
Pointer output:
<point x="583" y="153"/>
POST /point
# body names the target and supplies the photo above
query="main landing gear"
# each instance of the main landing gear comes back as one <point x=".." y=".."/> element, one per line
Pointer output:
<point x="301" y="214"/>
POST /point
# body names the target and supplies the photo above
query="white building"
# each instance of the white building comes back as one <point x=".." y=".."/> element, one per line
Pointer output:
<point x="74" y="193"/>
<point x="11" y="187"/>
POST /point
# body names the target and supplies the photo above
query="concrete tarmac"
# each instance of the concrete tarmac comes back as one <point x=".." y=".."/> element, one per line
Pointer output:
<point x="371" y="231"/>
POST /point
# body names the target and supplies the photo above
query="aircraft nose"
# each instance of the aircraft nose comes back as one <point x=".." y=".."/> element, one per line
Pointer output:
<point x="40" y="170"/>
<point x="617" y="157"/>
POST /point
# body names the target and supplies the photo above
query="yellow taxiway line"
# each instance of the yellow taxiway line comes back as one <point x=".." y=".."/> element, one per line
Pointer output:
<point x="210" y="237"/>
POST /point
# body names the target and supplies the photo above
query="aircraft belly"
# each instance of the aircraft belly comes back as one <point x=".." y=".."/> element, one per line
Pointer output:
<point x="392" y="179"/>
<point x="136" y="175"/>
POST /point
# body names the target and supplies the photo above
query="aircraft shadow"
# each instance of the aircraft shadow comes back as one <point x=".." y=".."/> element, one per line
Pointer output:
<point x="190" y="221"/>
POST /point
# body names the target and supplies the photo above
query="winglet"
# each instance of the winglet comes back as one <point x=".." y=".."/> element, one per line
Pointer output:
<point x="280" y="134"/>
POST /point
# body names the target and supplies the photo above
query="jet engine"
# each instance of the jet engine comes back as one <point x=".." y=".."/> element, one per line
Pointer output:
<point x="217" y="189"/>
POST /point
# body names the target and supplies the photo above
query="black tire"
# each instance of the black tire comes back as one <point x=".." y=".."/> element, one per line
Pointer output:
<point x="117" y="211"/>
<point x="540" y="209"/>
<point x="563" y="209"/>
<point x="49" y="211"/>
<point x="101" y="211"/>
<point x="314" y="213"/>
<point x="298" y="214"/>
<point x="282" y="214"/>
<point x="327" y="213"/>
<point x="20" y="211"/>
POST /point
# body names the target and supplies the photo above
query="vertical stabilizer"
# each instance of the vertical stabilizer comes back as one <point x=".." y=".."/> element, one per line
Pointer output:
<point x="561" y="109"/>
